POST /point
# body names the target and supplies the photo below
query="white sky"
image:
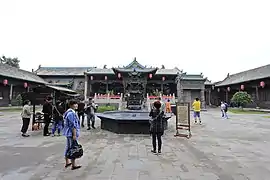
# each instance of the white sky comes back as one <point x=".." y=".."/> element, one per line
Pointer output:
<point x="210" y="36"/>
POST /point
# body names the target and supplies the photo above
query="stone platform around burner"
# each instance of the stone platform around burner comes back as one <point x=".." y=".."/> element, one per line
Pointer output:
<point x="126" y="122"/>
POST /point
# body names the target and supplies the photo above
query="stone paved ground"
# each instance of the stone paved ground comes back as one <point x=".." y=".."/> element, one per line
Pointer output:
<point x="237" y="148"/>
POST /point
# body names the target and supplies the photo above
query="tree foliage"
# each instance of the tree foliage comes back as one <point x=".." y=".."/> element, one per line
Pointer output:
<point x="15" y="62"/>
<point x="241" y="98"/>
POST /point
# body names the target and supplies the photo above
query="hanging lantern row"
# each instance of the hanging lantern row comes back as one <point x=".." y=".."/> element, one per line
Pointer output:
<point x="150" y="76"/>
<point x="105" y="77"/>
<point x="242" y="87"/>
<point x="119" y="75"/>
<point x="262" y="84"/>
<point x="228" y="89"/>
<point x="5" y="82"/>
<point x="91" y="77"/>
<point x="163" y="78"/>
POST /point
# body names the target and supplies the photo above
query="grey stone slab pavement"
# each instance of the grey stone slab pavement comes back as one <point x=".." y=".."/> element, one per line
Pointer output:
<point x="237" y="148"/>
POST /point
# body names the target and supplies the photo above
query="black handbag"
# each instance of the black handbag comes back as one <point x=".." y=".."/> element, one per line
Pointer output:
<point x="76" y="151"/>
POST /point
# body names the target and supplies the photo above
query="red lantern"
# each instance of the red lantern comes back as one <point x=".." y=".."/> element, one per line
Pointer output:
<point x="5" y="82"/>
<point x="228" y="89"/>
<point x="91" y="77"/>
<point x="150" y="76"/>
<point x="242" y="87"/>
<point x="262" y="84"/>
<point x="163" y="78"/>
<point x="119" y="75"/>
<point x="106" y="78"/>
<point x="25" y="85"/>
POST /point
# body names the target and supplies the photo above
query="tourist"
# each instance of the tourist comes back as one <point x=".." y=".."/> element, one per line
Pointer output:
<point x="81" y="112"/>
<point x="26" y="115"/>
<point x="47" y="110"/>
<point x="168" y="107"/>
<point x="197" y="110"/>
<point x="157" y="126"/>
<point x="58" y="112"/>
<point x="71" y="131"/>
<point x="90" y="111"/>
<point x="224" y="109"/>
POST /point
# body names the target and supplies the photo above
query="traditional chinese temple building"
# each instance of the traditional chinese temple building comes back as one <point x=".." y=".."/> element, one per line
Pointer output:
<point x="154" y="81"/>
<point x="254" y="81"/>
<point x="14" y="82"/>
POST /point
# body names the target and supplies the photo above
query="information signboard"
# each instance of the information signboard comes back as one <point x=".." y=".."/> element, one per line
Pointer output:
<point x="183" y="120"/>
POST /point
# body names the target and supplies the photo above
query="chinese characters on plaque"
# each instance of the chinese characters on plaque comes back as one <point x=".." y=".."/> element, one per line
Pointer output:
<point x="182" y="114"/>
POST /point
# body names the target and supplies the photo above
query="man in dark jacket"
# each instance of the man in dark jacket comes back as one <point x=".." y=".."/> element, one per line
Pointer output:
<point x="58" y="112"/>
<point x="90" y="111"/>
<point x="156" y="126"/>
<point x="81" y="111"/>
<point x="47" y="110"/>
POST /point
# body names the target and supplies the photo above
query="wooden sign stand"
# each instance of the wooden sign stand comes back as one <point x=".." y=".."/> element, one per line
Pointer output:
<point x="183" y="120"/>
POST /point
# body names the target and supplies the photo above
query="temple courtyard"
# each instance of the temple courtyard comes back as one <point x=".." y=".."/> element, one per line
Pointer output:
<point x="237" y="148"/>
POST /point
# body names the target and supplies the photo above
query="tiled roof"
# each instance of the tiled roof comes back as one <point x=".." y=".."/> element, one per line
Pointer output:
<point x="12" y="72"/>
<point x="193" y="77"/>
<point x="208" y="82"/>
<point x="110" y="71"/>
<point x="61" y="89"/>
<point x="245" y="76"/>
<point x="62" y="71"/>
<point x="100" y="71"/>
<point x="173" y="71"/>
<point x="135" y="64"/>
<point x="145" y="70"/>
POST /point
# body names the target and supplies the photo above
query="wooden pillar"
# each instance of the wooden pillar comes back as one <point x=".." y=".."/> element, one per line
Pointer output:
<point x="179" y="87"/>
<point x="209" y="97"/>
<point x="107" y="87"/>
<point x="257" y="93"/>
<point x="162" y="88"/>
<point x="226" y="96"/>
<point x="10" y="93"/>
<point x="34" y="115"/>
<point x="85" y="87"/>
<point x="202" y="98"/>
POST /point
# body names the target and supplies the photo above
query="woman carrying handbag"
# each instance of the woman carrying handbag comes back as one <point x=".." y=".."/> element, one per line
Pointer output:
<point x="72" y="132"/>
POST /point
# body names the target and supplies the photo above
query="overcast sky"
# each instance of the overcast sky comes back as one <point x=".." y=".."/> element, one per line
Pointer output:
<point x="210" y="36"/>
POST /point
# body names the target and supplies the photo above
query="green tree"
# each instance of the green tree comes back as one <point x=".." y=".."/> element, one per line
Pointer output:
<point x="19" y="100"/>
<point x="241" y="98"/>
<point x="15" y="62"/>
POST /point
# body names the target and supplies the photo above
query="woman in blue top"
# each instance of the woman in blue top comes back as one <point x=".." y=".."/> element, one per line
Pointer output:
<point x="71" y="131"/>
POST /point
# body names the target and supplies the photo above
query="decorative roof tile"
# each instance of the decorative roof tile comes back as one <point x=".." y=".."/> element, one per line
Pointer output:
<point x="62" y="71"/>
<point x="16" y="73"/>
<point x="134" y="64"/>
<point x="245" y="76"/>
